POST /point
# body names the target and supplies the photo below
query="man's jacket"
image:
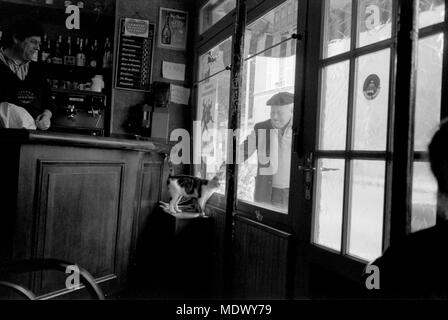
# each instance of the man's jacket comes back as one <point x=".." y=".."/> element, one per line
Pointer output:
<point x="263" y="182"/>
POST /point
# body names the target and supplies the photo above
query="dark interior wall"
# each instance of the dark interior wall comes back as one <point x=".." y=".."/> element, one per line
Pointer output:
<point x="122" y="100"/>
<point x="326" y="284"/>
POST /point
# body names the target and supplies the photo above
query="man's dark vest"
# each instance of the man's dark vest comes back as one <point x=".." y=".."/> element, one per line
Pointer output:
<point x="32" y="93"/>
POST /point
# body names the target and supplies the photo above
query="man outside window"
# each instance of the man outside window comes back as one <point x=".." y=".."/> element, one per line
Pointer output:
<point x="272" y="140"/>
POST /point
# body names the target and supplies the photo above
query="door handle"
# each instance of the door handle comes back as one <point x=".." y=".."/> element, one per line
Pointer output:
<point x="306" y="168"/>
<point x="308" y="172"/>
<point x="323" y="169"/>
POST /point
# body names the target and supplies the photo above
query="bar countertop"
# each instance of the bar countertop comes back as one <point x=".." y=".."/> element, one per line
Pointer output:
<point x="22" y="136"/>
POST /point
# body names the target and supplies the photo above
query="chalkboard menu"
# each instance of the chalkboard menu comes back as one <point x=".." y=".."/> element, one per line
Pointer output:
<point x="135" y="52"/>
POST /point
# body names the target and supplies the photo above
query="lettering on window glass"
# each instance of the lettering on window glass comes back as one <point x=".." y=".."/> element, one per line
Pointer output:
<point x="372" y="17"/>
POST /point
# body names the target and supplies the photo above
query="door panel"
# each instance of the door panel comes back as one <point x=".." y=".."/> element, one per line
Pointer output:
<point x="262" y="256"/>
<point x="345" y="137"/>
<point x="261" y="265"/>
<point x="266" y="118"/>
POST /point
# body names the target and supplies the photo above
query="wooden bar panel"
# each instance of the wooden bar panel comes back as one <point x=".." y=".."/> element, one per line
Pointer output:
<point x="260" y="261"/>
<point x="149" y="197"/>
<point x="79" y="209"/>
<point x="76" y="203"/>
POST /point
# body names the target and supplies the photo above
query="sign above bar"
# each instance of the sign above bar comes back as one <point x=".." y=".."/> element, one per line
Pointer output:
<point x="135" y="53"/>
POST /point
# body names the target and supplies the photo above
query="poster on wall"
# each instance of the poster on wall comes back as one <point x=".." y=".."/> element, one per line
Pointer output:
<point x="207" y="106"/>
<point x="173" y="28"/>
<point x="135" y="54"/>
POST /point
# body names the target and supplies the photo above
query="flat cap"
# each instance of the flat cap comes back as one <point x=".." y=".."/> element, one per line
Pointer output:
<point x="281" y="99"/>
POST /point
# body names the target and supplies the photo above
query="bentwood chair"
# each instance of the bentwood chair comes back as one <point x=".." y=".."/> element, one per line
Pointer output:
<point x="23" y="266"/>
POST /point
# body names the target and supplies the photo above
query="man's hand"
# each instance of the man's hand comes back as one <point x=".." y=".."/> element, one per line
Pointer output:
<point x="43" y="120"/>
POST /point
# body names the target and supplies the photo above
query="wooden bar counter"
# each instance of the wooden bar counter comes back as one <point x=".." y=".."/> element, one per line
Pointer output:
<point x="78" y="198"/>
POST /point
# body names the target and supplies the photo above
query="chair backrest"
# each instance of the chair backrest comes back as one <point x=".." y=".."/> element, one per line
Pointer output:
<point x="32" y="265"/>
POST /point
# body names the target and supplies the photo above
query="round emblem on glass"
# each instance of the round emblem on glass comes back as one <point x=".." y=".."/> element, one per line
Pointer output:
<point x="372" y="87"/>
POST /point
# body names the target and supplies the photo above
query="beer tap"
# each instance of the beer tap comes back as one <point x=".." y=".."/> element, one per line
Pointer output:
<point x="71" y="111"/>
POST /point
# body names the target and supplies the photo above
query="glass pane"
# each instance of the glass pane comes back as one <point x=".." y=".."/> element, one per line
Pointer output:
<point x="429" y="89"/>
<point x="431" y="12"/>
<point x="264" y="153"/>
<point x="337" y="33"/>
<point x="213" y="11"/>
<point x="424" y="197"/>
<point x="374" y="21"/>
<point x="372" y="101"/>
<point x="274" y="27"/>
<point x="213" y="114"/>
<point x="366" y="209"/>
<point x="329" y="199"/>
<point x="216" y="59"/>
<point x="333" y="111"/>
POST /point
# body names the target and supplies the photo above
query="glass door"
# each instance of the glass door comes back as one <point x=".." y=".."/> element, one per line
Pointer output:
<point x="428" y="110"/>
<point x="345" y="172"/>
<point x="346" y="160"/>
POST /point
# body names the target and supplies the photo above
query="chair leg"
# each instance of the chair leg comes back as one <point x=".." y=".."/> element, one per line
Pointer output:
<point x="19" y="289"/>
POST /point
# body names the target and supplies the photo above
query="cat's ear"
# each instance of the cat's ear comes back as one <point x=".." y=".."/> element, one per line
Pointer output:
<point x="170" y="166"/>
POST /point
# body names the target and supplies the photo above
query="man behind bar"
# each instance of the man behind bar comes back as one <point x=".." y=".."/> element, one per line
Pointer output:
<point x="21" y="81"/>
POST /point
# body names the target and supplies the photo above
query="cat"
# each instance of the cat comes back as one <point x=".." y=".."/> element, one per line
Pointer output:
<point x="190" y="187"/>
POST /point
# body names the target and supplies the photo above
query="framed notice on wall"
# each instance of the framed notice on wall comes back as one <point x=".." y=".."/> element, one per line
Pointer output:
<point x="173" y="28"/>
<point x="135" y="54"/>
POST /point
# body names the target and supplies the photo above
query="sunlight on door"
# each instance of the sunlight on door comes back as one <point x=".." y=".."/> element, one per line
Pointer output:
<point x="353" y="125"/>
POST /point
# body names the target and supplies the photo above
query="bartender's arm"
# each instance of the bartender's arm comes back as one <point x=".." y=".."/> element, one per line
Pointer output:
<point x="43" y="120"/>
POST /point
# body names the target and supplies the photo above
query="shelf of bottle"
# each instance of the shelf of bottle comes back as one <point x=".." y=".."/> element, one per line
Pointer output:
<point x="58" y="7"/>
<point x="78" y="92"/>
<point x="66" y="67"/>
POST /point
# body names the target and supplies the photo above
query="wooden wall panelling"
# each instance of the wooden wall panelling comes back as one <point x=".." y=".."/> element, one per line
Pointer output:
<point x="260" y="261"/>
<point x="8" y="197"/>
<point x="149" y="195"/>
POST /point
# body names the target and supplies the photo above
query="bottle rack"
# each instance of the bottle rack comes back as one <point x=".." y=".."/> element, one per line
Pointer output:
<point x="103" y="8"/>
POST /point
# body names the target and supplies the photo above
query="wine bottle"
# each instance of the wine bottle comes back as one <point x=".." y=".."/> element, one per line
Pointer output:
<point x="166" y="31"/>
<point x="81" y="56"/>
<point x="94" y="54"/>
<point x="58" y="51"/>
<point x="69" y="57"/>
<point x="45" y="49"/>
<point x="87" y="51"/>
<point x="76" y="48"/>
<point x="107" y="56"/>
